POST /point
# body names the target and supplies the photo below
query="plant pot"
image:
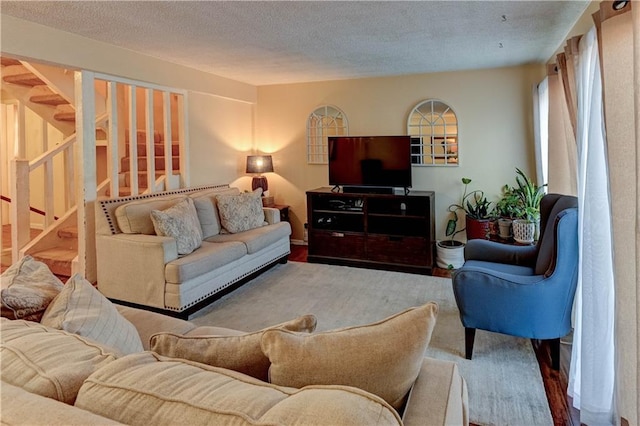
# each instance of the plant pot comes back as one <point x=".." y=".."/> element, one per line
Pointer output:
<point x="524" y="231"/>
<point x="477" y="228"/>
<point x="505" y="228"/>
<point x="450" y="254"/>
<point x="494" y="228"/>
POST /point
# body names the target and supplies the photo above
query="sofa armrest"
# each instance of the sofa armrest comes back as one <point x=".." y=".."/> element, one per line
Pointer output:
<point x="271" y="215"/>
<point x="131" y="267"/>
<point x="438" y="396"/>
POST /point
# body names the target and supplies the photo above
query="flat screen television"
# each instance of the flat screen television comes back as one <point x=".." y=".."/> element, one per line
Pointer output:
<point x="370" y="161"/>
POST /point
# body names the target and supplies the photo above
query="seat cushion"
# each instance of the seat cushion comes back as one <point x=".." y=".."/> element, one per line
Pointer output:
<point x="383" y="358"/>
<point x="146" y="388"/>
<point x="258" y="238"/>
<point x="240" y="353"/>
<point x="28" y="286"/>
<point x="492" y="267"/>
<point x="83" y="310"/>
<point x="207" y="258"/>
<point x="46" y="361"/>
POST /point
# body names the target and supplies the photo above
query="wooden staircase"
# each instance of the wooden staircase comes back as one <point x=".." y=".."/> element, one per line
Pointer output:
<point x="59" y="259"/>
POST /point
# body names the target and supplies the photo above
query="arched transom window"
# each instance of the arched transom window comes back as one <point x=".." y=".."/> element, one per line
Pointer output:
<point x="433" y="127"/>
<point x="323" y="122"/>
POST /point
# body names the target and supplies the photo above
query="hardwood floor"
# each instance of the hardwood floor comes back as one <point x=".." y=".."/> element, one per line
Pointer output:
<point x="555" y="382"/>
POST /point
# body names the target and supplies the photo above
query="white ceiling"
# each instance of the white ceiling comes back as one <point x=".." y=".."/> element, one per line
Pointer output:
<point x="274" y="42"/>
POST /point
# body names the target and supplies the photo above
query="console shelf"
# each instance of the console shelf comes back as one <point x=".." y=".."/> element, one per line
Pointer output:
<point x="382" y="231"/>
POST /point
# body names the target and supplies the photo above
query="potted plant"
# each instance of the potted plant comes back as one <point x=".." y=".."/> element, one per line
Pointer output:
<point x="477" y="213"/>
<point x="507" y="209"/>
<point x="450" y="253"/>
<point x="526" y="226"/>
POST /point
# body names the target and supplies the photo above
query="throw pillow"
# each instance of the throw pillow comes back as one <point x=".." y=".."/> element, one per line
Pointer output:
<point x="240" y="353"/>
<point x="241" y="212"/>
<point x="83" y="310"/>
<point x="28" y="287"/>
<point x="383" y="358"/>
<point x="180" y="222"/>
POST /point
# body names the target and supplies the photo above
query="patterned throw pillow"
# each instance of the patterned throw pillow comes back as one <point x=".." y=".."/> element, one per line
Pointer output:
<point x="28" y="287"/>
<point x="241" y="212"/>
<point x="180" y="222"/>
<point x="81" y="309"/>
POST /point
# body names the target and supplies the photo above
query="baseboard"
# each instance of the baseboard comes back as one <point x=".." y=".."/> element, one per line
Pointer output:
<point x="298" y="242"/>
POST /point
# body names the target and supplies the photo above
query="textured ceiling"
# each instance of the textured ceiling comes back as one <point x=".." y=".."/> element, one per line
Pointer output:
<point x="273" y="42"/>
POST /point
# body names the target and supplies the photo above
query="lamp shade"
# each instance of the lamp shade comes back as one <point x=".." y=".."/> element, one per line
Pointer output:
<point x="259" y="164"/>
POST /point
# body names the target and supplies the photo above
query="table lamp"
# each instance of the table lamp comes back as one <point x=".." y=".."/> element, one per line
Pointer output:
<point x="259" y="164"/>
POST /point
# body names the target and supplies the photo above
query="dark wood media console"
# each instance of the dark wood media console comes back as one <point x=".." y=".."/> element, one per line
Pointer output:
<point x="383" y="231"/>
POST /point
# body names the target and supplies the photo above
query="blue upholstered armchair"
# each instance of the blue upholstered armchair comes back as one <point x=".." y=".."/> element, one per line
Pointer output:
<point x="524" y="291"/>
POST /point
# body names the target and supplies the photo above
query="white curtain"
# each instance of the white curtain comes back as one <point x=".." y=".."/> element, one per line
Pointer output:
<point x="541" y="130"/>
<point x="592" y="374"/>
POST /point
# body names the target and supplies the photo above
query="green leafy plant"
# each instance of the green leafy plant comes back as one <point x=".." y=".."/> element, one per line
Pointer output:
<point x="509" y="206"/>
<point x="530" y="195"/>
<point x="474" y="204"/>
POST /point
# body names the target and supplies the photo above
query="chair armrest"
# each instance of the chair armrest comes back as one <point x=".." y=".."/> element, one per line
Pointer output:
<point x="271" y="215"/>
<point x="492" y="251"/>
<point x="131" y="267"/>
<point x="438" y="396"/>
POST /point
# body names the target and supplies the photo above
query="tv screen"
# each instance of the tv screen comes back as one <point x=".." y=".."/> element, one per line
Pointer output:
<point x="383" y="161"/>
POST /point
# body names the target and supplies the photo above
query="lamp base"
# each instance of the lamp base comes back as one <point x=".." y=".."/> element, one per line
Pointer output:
<point x="260" y="182"/>
<point x="268" y="201"/>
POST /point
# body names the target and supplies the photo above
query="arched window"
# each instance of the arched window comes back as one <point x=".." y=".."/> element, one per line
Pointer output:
<point x="323" y="122"/>
<point x="433" y="127"/>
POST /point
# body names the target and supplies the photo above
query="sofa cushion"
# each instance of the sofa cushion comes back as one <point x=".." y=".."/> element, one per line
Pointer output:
<point x="82" y="310"/>
<point x="383" y="358"/>
<point x="135" y="217"/>
<point x="46" y="361"/>
<point x="18" y="409"/>
<point x="28" y="286"/>
<point x="181" y="223"/>
<point x="258" y="238"/>
<point x="240" y="212"/>
<point x="205" y="203"/>
<point x="146" y="388"/>
<point x="149" y="323"/>
<point x="239" y="353"/>
<point x="207" y="258"/>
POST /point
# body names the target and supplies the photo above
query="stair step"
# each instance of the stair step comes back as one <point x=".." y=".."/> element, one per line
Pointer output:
<point x="142" y="136"/>
<point x="68" y="232"/>
<point x="27" y="79"/>
<point x="9" y="61"/>
<point x="52" y="99"/>
<point x="142" y="163"/>
<point x="142" y="178"/>
<point x="57" y="259"/>
<point x="65" y="116"/>
<point x="125" y="191"/>
<point x="158" y="149"/>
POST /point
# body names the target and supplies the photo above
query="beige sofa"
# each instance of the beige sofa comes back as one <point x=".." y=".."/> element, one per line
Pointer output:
<point x="136" y="266"/>
<point x="44" y="366"/>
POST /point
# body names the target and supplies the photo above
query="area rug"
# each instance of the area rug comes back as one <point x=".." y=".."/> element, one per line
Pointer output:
<point x="504" y="381"/>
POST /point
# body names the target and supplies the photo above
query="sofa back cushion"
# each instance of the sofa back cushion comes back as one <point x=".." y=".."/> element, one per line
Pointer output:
<point x="46" y="361"/>
<point x="206" y="206"/>
<point x="169" y="391"/>
<point x="135" y="217"/>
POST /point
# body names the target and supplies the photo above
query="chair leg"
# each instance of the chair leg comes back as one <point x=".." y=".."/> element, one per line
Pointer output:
<point x="554" y="350"/>
<point x="469" y="337"/>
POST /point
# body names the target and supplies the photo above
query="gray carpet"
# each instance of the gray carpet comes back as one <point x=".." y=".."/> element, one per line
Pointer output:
<point x="505" y="386"/>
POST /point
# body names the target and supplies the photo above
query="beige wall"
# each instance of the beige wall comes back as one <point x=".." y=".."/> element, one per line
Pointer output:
<point x="494" y="109"/>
